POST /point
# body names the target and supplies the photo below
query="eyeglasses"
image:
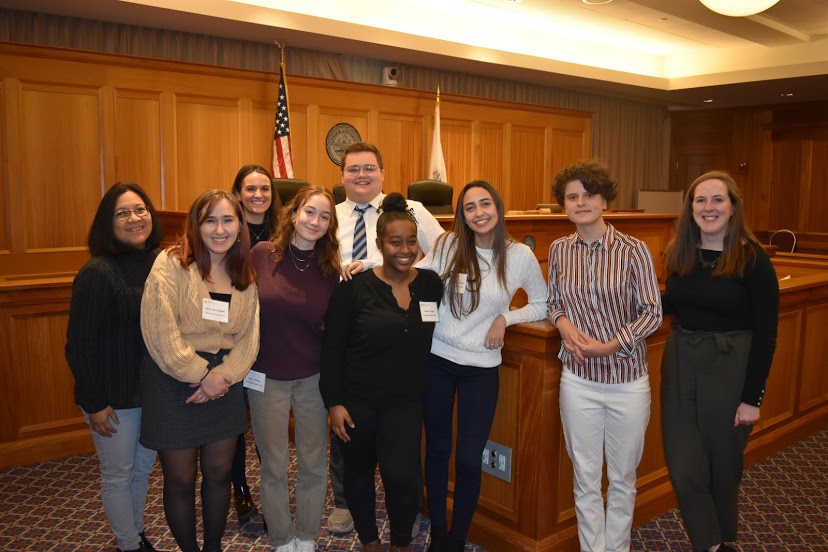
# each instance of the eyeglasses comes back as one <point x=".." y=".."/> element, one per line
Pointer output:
<point x="124" y="214"/>
<point x="354" y="170"/>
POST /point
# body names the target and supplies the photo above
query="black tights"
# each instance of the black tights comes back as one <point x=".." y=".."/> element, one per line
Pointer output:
<point x="180" y="469"/>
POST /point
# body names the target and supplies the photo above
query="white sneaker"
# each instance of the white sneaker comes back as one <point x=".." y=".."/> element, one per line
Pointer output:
<point x="340" y="521"/>
<point x="304" y="545"/>
<point x="415" y="529"/>
<point x="289" y="547"/>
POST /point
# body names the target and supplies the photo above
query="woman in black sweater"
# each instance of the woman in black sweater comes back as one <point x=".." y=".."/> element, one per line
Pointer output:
<point x="377" y="338"/>
<point x="105" y="351"/>
<point x="724" y="296"/>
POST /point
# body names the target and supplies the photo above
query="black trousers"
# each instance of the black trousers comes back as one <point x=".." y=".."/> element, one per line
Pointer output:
<point x="388" y="437"/>
<point x="702" y="378"/>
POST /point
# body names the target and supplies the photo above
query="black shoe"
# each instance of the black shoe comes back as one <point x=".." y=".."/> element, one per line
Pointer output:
<point x="145" y="544"/>
<point x="245" y="509"/>
<point x="725" y="548"/>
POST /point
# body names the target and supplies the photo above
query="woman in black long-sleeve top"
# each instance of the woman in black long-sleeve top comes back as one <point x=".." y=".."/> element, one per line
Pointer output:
<point x="105" y="351"/>
<point x="724" y="296"/>
<point x="377" y="338"/>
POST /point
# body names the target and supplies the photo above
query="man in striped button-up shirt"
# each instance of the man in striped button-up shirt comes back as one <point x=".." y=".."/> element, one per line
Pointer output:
<point x="604" y="300"/>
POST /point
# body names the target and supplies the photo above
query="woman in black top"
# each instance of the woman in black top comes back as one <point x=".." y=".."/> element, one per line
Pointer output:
<point x="253" y="187"/>
<point x="105" y="350"/>
<point x="377" y="337"/>
<point x="724" y="296"/>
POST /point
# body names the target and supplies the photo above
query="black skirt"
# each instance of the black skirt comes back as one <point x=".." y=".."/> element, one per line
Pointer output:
<point x="168" y="422"/>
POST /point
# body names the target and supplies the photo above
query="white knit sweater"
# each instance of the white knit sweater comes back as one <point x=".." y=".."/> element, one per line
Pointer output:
<point x="462" y="341"/>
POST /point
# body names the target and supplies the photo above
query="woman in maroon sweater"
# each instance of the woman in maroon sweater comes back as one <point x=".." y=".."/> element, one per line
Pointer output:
<point x="297" y="272"/>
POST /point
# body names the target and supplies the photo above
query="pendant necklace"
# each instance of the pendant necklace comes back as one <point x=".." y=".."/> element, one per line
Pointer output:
<point x="297" y="260"/>
<point x="258" y="234"/>
<point x="708" y="264"/>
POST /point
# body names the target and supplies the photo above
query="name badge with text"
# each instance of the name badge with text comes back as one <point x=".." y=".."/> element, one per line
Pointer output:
<point x="428" y="311"/>
<point x="215" y="310"/>
<point x="461" y="283"/>
<point x="255" y="380"/>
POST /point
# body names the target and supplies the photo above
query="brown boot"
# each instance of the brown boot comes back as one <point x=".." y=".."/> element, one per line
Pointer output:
<point x="372" y="546"/>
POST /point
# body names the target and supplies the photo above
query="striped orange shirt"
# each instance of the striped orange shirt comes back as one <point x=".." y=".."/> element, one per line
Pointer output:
<point x="608" y="289"/>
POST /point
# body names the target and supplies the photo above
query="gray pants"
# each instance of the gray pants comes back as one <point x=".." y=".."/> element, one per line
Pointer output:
<point x="702" y="378"/>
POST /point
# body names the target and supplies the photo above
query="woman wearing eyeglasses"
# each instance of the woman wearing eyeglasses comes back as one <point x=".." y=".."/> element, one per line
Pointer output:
<point x="105" y="351"/>
<point x="200" y="321"/>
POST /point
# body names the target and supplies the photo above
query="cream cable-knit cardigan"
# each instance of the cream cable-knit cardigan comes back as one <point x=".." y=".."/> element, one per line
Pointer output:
<point x="174" y="330"/>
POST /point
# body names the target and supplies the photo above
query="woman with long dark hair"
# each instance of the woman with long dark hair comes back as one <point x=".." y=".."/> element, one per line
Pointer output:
<point x="105" y="351"/>
<point x="296" y="273"/>
<point x="481" y="268"/>
<point x="253" y="187"/>
<point x="200" y="320"/>
<point x="724" y="296"/>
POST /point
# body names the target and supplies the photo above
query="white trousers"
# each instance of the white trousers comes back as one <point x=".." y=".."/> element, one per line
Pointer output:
<point x="599" y="419"/>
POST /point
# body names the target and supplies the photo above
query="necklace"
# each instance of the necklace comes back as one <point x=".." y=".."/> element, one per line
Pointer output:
<point x="297" y="260"/>
<point x="258" y="234"/>
<point x="708" y="264"/>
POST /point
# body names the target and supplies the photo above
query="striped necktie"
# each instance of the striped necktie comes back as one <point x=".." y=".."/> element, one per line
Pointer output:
<point x="360" y="249"/>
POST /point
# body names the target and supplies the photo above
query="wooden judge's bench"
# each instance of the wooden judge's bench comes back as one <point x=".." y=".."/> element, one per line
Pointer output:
<point x="535" y="510"/>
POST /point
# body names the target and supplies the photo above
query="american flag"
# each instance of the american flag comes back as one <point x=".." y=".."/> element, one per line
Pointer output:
<point x="282" y="152"/>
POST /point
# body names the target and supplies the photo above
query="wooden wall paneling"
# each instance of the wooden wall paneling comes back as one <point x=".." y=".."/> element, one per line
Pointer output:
<point x="207" y="146"/>
<point x="491" y="153"/>
<point x="457" y="138"/>
<point x="262" y="120"/>
<point x="497" y="495"/>
<point x="61" y="151"/>
<point x="138" y="141"/>
<point x="813" y="389"/>
<point x="327" y="173"/>
<point x="5" y="215"/>
<point x="780" y="399"/>
<point x="400" y="140"/>
<point x="817" y="198"/>
<point x="565" y="147"/>
<point x="527" y="153"/>
<point x="785" y="178"/>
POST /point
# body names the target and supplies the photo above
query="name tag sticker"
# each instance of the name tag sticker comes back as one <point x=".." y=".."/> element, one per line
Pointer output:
<point x="215" y="310"/>
<point x="461" y="283"/>
<point x="254" y="380"/>
<point x="428" y="310"/>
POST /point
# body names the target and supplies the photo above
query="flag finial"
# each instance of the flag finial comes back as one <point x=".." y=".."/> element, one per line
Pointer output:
<point x="438" y="92"/>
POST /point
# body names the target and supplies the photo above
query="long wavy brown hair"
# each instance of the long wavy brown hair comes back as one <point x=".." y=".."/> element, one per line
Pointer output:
<point x="326" y="247"/>
<point x="191" y="248"/>
<point x="681" y="253"/>
<point x="464" y="257"/>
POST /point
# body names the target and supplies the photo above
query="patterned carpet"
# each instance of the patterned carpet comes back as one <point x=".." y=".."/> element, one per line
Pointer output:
<point x="56" y="506"/>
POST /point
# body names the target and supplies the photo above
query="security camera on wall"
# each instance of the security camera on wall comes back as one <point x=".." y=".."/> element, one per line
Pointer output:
<point x="389" y="75"/>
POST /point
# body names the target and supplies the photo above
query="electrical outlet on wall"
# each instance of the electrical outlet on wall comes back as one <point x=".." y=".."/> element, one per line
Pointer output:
<point x="497" y="461"/>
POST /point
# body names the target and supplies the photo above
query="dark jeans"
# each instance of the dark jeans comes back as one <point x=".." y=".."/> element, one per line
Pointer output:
<point x="389" y="437"/>
<point x="476" y="389"/>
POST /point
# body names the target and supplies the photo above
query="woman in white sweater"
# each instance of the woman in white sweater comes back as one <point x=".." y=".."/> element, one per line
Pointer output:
<point x="481" y="268"/>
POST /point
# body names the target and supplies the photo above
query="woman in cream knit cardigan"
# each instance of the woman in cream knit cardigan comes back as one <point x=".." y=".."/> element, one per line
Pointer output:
<point x="200" y="321"/>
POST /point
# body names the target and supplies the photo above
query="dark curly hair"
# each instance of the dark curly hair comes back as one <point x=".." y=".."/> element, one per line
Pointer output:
<point x="594" y="175"/>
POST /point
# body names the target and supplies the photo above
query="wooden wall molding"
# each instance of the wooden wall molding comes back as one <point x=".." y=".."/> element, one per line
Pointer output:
<point x="75" y="122"/>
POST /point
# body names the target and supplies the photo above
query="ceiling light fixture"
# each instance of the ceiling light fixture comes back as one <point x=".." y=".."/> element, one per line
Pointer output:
<point x="738" y="8"/>
<point x="596" y="2"/>
<point x="707" y="101"/>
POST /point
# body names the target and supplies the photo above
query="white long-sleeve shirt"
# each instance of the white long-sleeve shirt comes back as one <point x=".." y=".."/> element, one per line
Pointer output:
<point x="428" y="229"/>
<point x="463" y="340"/>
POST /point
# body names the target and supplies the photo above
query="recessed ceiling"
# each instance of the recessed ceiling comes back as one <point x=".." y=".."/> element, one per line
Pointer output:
<point x="675" y="52"/>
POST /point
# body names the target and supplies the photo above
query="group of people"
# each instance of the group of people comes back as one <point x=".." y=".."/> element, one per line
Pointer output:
<point x="365" y="314"/>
